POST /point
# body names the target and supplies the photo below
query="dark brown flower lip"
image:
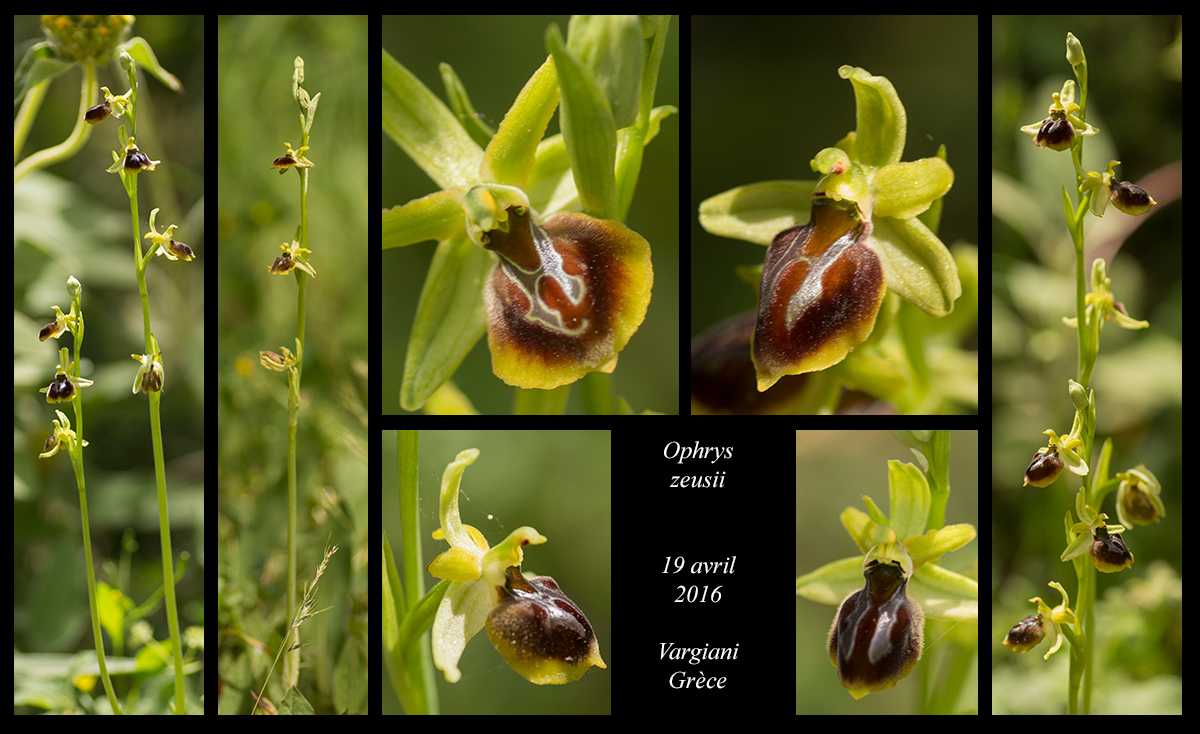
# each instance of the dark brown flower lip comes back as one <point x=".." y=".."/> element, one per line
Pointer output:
<point x="821" y="291"/>
<point x="565" y="297"/>
<point x="878" y="634"/>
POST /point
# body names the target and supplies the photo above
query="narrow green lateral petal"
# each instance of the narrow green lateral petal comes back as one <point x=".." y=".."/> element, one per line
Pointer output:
<point x="438" y="216"/>
<point x="509" y="157"/>
<point x="905" y="190"/>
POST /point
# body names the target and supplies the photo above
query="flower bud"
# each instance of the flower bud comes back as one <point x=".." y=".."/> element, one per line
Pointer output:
<point x="878" y="634"/>
<point x="611" y="47"/>
<point x="540" y="632"/>
<point x="1075" y="55"/>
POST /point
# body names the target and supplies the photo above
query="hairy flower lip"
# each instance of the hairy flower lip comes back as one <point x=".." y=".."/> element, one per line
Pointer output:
<point x="878" y="634"/>
<point x="565" y="298"/>
<point x="540" y="632"/>
<point x="820" y="293"/>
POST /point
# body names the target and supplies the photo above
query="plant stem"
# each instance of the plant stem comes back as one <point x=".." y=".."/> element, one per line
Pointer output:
<point x="292" y="663"/>
<point x="77" y="463"/>
<point x="164" y="532"/>
<point x="418" y="690"/>
<point x="291" y="667"/>
<point x="164" y="522"/>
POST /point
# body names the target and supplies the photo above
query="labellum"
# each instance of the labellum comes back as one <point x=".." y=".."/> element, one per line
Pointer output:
<point x="1044" y="469"/>
<point x="98" y="114"/>
<point x="566" y="297"/>
<point x="1026" y="634"/>
<point x="821" y="290"/>
<point x="284" y="163"/>
<point x="1109" y="552"/>
<point x="136" y="160"/>
<point x="540" y="632"/>
<point x="878" y="634"/>
<point x="61" y="390"/>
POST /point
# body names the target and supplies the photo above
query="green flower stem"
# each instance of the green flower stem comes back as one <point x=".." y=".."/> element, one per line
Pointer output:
<point x="292" y="662"/>
<point x="164" y="523"/>
<point x="1081" y="673"/>
<point x="417" y="690"/>
<point x="164" y="531"/>
<point x="77" y="464"/>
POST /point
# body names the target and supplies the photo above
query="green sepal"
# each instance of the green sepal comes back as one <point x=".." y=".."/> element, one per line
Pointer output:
<point x="933" y="544"/>
<point x="916" y="265"/>
<point x="588" y="129"/>
<point x="759" y="211"/>
<point x="904" y="190"/>
<point x="882" y="122"/>
<point x="910" y="499"/>
<point x="426" y="130"/>
<point x="510" y="155"/>
<point x="449" y="320"/>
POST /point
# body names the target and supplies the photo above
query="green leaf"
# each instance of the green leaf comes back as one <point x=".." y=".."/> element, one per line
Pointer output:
<point x="139" y="48"/>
